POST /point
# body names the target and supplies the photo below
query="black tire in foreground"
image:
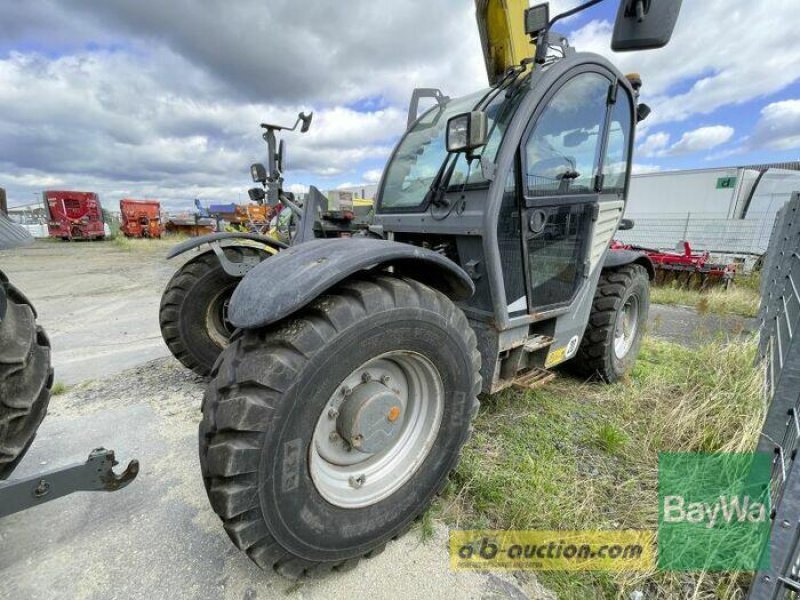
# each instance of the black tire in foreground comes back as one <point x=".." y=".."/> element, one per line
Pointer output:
<point x="26" y="376"/>
<point x="193" y="308"/>
<point x="617" y="324"/>
<point x="290" y="490"/>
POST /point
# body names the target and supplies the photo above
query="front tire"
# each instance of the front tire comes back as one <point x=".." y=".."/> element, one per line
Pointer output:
<point x="26" y="376"/>
<point x="193" y="308"/>
<point x="264" y="448"/>
<point x="617" y="324"/>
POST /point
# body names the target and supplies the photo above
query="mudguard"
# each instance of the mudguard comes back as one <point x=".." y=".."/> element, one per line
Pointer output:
<point x="215" y="237"/>
<point x="620" y="258"/>
<point x="12" y="235"/>
<point x="293" y="278"/>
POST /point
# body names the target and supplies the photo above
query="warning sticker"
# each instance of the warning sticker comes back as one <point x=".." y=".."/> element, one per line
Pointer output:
<point x="557" y="355"/>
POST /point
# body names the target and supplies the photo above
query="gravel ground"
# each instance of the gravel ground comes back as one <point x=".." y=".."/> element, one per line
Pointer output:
<point x="158" y="538"/>
<point x="98" y="303"/>
<point x="683" y="325"/>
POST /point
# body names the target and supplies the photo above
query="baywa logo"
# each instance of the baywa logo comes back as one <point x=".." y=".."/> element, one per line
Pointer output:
<point x="713" y="511"/>
<point x="727" y="509"/>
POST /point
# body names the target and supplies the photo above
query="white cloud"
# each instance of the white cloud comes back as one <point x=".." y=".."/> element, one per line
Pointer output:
<point x="162" y="99"/>
<point x="779" y="126"/>
<point x="372" y="176"/>
<point x="708" y="45"/>
<point x="653" y="144"/>
<point x="640" y="169"/>
<point x="703" y="138"/>
<point x="696" y="140"/>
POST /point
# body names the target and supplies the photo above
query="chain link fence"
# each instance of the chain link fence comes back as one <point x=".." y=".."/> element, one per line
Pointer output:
<point x="710" y="232"/>
<point x="779" y="350"/>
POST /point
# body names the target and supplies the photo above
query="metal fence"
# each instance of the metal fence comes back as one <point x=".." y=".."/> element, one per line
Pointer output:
<point x="779" y="349"/>
<point x="704" y="231"/>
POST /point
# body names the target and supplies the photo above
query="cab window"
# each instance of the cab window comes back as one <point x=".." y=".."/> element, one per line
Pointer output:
<point x="615" y="164"/>
<point x="561" y="155"/>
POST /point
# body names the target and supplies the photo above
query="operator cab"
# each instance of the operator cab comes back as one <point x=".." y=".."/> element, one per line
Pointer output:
<point x="530" y="191"/>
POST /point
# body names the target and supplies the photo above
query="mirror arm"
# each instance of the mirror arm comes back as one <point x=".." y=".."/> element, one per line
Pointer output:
<point x="542" y="39"/>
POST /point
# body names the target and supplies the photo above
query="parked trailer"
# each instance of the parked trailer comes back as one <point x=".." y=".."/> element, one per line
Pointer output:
<point x="140" y="218"/>
<point x="74" y="215"/>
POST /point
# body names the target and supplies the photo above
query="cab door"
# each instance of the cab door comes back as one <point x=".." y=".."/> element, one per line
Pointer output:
<point x="561" y="185"/>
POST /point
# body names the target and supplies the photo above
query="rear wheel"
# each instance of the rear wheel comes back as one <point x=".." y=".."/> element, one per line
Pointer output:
<point x="617" y="323"/>
<point x="324" y="436"/>
<point x="194" y="307"/>
<point x="25" y="376"/>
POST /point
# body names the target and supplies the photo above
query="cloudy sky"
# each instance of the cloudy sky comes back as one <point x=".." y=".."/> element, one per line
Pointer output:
<point x="163" y="98"/>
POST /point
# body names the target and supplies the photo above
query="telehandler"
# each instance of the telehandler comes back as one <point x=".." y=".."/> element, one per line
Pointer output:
<point x="347" y="390"/>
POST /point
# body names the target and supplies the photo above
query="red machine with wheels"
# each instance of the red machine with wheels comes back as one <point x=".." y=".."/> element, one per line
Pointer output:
<point x="141" y="218"/>
<point x="74" y="215"/>
<point x="687" y="268"/>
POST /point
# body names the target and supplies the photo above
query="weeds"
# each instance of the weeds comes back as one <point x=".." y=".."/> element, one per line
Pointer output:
<point x="58" y="389"/>
<point x="739" y="300"/>
<point x="577" y="455"/>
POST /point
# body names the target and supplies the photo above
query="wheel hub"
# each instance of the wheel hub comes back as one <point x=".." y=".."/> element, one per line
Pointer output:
<point x="626" y="327"/>
<point x="370" y="418"/>
<point x="376" y="429"/>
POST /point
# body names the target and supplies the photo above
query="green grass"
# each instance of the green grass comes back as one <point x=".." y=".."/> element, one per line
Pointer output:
<point x="742" y="299"/>
<point x="58" y="388"/>
<point x="577" y="455"/>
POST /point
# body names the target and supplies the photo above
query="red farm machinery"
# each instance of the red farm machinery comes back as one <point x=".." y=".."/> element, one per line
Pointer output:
<point x="140" y="218"/>
<point x="74" y="215"/>
<point x="685" y="268"/>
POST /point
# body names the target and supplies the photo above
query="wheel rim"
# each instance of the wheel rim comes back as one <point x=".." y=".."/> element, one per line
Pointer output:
<point x="626" y="328"/>
<point x="376" y="429"/>
<point x="217" y="324"/>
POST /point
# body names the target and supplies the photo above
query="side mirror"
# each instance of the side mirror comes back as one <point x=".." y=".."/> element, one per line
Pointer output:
<point x="644" y="24"/>
<point x="642" y="112"/>
<point x="258" y="173"/>
<point x="306" y="119"/>
<point x="256" y="195"/>
<point x="467" y="132"/>
<point x="625" y="225"/>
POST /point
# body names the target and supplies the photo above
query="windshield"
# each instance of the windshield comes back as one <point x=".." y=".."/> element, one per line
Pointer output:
<point x="421" y="153"/>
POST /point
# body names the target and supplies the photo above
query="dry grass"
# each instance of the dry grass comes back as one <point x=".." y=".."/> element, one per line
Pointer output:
<point x="739" y="300"/>
<point x="579" y="455"/>
<point x="146" y="244"/>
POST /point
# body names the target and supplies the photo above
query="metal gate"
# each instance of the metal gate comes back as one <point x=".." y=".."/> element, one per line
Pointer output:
<point x="779" y="349"/>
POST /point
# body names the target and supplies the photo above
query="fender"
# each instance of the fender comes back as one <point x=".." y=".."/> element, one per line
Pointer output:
<point x="293" y="278"/>
<point x="620" y="258"/>
<point x="215" y="237"/>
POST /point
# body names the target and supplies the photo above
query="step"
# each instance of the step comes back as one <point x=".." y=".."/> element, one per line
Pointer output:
<point x="537" y="342"/>
<point x="533" y="379"/>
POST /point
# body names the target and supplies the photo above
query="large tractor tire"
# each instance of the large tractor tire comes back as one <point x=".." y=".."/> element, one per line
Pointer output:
<point x="617" y="324"/>
<point x="193" y="312"/>
<point x="325" y="435"/>
<point x="26" y="376"/>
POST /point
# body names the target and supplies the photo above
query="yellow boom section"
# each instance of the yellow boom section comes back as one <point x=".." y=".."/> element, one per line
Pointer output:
<point x="501" y="24"/>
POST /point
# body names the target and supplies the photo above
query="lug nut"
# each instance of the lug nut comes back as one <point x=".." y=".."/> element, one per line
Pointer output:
<point x="333" y="436"/>
<point x="333" y="413"/>
<point x="356" y="441"/>
<point x="386" y="380"/>
<point x="366" y="377"/>
<point x="346" y="390"/>
<point x="357" y="482"/>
